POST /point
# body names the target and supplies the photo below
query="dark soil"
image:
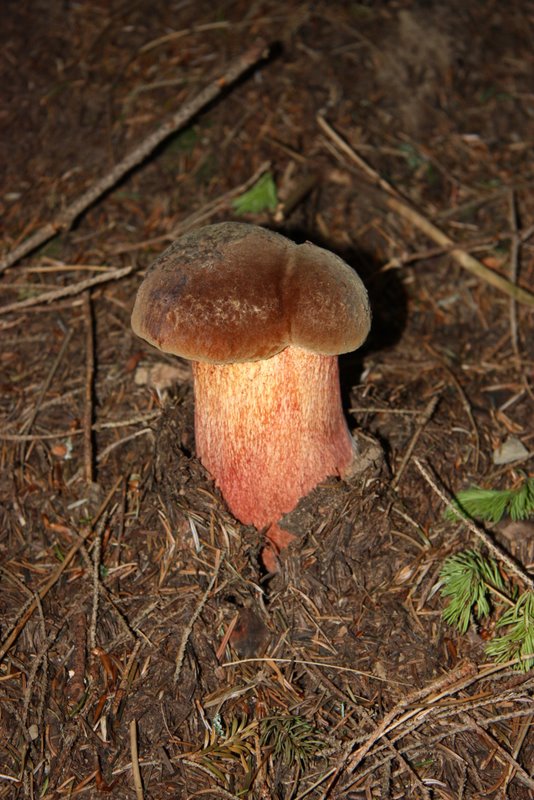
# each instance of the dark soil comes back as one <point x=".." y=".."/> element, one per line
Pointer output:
<point x="139" y="628"/>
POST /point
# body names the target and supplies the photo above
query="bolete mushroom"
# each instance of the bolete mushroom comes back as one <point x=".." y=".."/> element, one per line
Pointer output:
<point x="263" y="321"/>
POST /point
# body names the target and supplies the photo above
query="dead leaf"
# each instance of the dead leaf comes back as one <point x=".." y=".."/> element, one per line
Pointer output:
<point x="161" y="376"/>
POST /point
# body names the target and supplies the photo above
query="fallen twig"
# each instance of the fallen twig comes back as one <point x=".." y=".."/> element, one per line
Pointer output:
<point x="410" y="713"/>
<point x="98" y="426"/>
<point x="89" y="374"/>
<point x="136" y="771"/>
<point x="28" y="610"/>
<point x="195" y="615"/>
<point x="46" y="385"/>
<point x="67" y="291"/>
<point x="394" y="202"/>
<point x="66" y="218"/>
<point x="13" y="634"/>
<point x="427" y="415"/>
<point x="97" y="550"/>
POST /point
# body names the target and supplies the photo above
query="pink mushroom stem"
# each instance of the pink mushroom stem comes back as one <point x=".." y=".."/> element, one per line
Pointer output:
<point x="269" y="431"/>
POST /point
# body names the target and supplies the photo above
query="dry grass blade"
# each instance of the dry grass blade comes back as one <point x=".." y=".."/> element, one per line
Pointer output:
<point x="324" y="664"/>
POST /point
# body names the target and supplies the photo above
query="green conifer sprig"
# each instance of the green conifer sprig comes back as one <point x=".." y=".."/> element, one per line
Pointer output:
<point x="467" y="579"/>
<point x="293" y="739"/>
<point x="518" y="642"/>
<point x="471" y="581"/>
<point x="491" y="504"/>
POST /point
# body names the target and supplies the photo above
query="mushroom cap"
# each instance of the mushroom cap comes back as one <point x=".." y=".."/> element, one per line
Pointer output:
<point x="235" y="292"/>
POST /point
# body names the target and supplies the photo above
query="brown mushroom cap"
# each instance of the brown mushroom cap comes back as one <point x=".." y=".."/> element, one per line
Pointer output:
<point x="236" y="292"/>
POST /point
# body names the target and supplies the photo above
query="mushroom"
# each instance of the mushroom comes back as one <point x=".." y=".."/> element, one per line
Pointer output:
<point x="263" y="321"/>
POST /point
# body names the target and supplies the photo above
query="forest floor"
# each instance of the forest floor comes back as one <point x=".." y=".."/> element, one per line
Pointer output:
<point x="144" y="651"/>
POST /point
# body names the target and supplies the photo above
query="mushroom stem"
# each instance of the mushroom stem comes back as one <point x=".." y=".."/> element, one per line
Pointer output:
<point x="269" y="431"/>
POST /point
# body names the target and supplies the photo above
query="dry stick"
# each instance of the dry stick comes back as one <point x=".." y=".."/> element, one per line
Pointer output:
<point x="23" y="619"/>
<point x="443" y="683"/>
<point x="126" y="677"/>
<point x="67" y="291"/>
<point x="512" y="768"/>
<point x="46" y="385"/>
<point x="427" y="414"/>
<point x="198" y="610"/>
<point x="176" y="121"/>
<point x="97" y="550"/>
<point x="412" y="704"/>
<point x="400" y="207"/>
<point x="89" y="375"/>
<point x="11" y="637"/>
<point x="461" y="728"/>
<point x="296" y="196"/>
<point x="135" y="761"/>
<point x="463" y="398"/>
<point x="442" y="714"/>
<point x="514" y="270"/>
<point x="98" y="426"/>
<point x="479" y="532"/>
<point x="439" y="686"/>
<point x="107" y="594"/>
<point x="465" y="260"/>
<point x="433" y="252"/>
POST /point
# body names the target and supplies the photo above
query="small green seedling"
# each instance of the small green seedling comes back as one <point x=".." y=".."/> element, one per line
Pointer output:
<point x="261" y="197"/>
